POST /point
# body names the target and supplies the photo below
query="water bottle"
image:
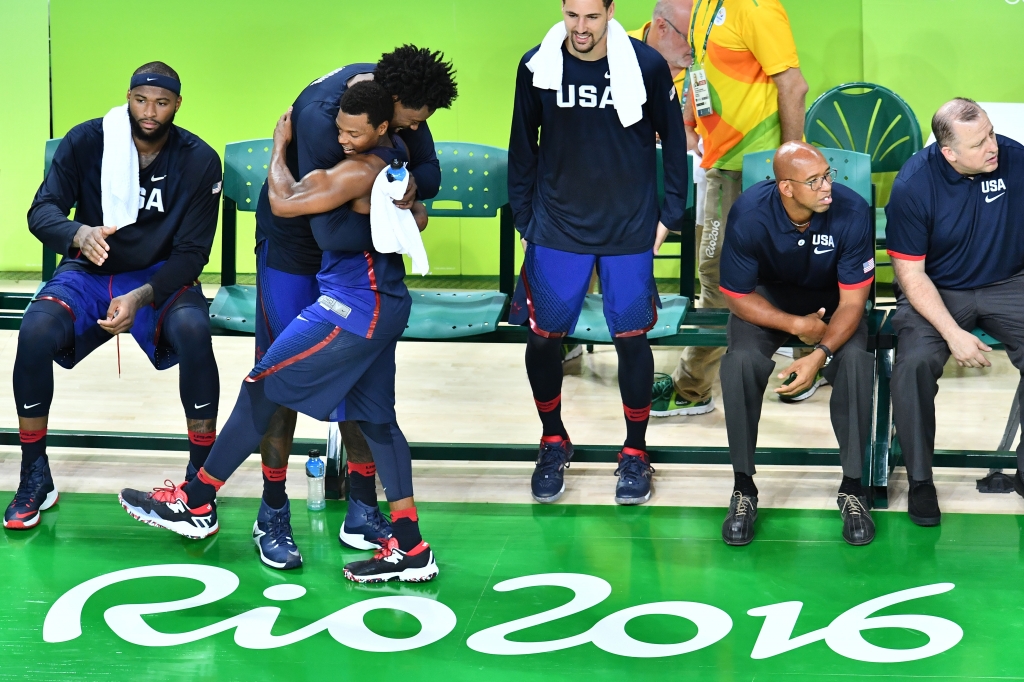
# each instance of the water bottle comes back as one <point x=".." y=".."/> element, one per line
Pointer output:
<point x="396" y="171"/>
<point x="315" y="481"/>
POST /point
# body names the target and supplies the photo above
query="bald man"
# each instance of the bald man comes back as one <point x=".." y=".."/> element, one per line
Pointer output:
<point x="955" y="219"/>
<point x="798" y="260"/>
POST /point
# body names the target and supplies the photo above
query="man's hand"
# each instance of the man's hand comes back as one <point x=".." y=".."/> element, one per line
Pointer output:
<point x="419" y="212"/>
<point x="968" y="349"/>
<point x="660" y="237"/>
<point x="692" y="139"/>
<point x="410" y="196"/>
<point x="121" y="312"/>
<point x="92" y="241"/>
<point x="283" y="130"/>
<point x="812" y="328"/>
<point x="806" y="370"/>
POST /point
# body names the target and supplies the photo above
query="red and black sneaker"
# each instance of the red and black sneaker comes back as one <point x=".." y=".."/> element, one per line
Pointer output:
<point x="168" y="508"/>
<point x="36" y="493"/>
<point x="390" y="563"/>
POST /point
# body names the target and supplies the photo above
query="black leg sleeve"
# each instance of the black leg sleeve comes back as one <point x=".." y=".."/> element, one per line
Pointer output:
<point x="46" y="329"/>
<point x="187" y="330"/>
<point x="243" y="431"/>
<point x="392" y="457"/>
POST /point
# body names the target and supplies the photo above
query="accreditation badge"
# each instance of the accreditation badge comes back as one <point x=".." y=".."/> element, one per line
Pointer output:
<point x="701" y="92"/>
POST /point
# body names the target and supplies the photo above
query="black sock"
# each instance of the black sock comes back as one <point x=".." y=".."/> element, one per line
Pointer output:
<point x="636" y="375"/>
<point x="544" y="369"/>
<point x="201" y="490"/>
<point x="851" y="486"/>
<point x="744" y="484"/>
<point x="274" y="486"/>
<point x="199" y="446"/>
<point x="405" y="525"/>
<point x="362" y="483"/>
<point x="33" y="446"/>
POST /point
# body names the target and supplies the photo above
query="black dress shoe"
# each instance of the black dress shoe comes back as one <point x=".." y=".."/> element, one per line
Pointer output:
<point x="738" y="528"/>
<point x="858" y="527"/>
<point x="922" y="504"/>
<point x="1018" y="483"/>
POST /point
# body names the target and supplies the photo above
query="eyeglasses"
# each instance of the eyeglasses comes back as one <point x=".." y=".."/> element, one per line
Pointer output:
<point x="674" y="28"/>
<point x="816" y="183"/>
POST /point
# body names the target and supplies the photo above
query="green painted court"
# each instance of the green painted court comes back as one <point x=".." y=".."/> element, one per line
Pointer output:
<point x="645" y="555"/>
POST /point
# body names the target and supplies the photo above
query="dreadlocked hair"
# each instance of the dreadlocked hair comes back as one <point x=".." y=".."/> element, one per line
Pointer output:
<point x="417" y="77"/>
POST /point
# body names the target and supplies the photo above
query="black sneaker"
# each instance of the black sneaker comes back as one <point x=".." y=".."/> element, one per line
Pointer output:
<point x="168" y="508"/>
<point x="390" y="563"/>
<point x="923" y="504"/>
<point x="548" y="481"/>
<point x="36" y="493"/>
<point x="738" y="529"/>
<point x="1018" y="483"/>
<point x="858" y="526"/>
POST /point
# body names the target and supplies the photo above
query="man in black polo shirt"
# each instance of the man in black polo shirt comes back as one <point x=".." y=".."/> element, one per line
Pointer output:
<point x="955" y="221"/>
<point x="798" y="260"/>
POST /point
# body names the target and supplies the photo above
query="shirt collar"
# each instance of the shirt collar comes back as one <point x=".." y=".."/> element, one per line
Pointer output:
<point x="782" y="221"/>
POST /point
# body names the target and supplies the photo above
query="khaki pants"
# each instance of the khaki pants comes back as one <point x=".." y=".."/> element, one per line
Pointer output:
<point x="698" y="367"/>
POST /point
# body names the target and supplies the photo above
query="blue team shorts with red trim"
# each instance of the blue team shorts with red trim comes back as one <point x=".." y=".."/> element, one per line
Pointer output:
<point x="280" y="297"/>
<point x="553" y="284"/>
<point x="87" y="297"/>
<point x="317" y="368"/>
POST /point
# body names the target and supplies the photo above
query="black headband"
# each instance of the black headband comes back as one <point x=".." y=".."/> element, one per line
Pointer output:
<point x="157" y="80"/>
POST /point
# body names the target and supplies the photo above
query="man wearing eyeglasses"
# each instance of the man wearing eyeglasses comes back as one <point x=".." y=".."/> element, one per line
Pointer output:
<point x="798" y="260"/>
<point x="666" y="33"/>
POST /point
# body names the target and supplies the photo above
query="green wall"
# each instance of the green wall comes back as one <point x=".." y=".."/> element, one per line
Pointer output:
<point x="243" y="61"/>
<point x="24" y="125"/>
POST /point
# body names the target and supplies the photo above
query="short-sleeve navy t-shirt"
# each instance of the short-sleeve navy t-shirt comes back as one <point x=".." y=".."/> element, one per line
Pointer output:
<point x="762" y="246"/>
<point x="969" y="230"/>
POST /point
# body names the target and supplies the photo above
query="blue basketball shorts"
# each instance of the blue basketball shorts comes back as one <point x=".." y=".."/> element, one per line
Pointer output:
<point x="317" y="368"/>
<point x="87" y="296"/>
<point x="553" y="284"/>
<point x="280" y="297"/>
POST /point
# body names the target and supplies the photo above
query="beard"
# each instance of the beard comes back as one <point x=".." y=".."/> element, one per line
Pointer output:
<point x="154" y="136"/>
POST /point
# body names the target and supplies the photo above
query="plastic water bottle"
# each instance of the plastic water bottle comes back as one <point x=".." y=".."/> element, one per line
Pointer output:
<point x="396" y="171"/>
<point x="315" y="481"/>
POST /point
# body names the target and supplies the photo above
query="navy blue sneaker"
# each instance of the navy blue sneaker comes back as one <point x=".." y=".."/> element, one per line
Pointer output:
<point x="634" y="472"/>
<point x="190" y="472"/>
<point x="365" y="527"/>
<point x="548" y="482"/>
<point x="272" y="534"/>
<point x="36" y="493"/>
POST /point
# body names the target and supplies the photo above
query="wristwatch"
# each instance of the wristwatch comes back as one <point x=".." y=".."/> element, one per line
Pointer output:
<point x="828" y="354"/>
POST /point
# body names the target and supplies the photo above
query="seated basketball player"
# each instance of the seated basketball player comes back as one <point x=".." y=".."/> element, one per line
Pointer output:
<point x="138" y="275"/>
<point x="336" y="360"/>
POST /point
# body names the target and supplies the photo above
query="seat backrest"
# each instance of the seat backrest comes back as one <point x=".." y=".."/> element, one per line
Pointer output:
<point x="474" y="180"/>
<point x="854" y="169"/>
<point x="245" y="170"/>
<point x="867" y="118"/>
<point x="51" y="149"/>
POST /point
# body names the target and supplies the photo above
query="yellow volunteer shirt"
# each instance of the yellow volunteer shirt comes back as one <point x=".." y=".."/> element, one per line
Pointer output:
<point x="680" y="79"/>
<point x="750" y="41"/>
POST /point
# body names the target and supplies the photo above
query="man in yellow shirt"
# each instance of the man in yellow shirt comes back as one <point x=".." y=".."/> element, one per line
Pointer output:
<point x="754" y="101"/>
<point x="666" y="33"/>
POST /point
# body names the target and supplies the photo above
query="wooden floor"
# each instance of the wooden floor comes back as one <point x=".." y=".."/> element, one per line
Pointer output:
<point x="478" y="393"/>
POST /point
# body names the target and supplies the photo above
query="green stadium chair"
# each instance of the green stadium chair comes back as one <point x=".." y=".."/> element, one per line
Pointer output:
<point x="49" y="257"/>
<point x="245" y="169"/>
<point x="854" y="169"/>
<point x="864" y="117"/>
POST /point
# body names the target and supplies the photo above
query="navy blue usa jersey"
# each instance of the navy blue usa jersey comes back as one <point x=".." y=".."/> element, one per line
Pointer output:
<point x="580" y="182"/>
<point x="763" y="247"/>
<point x="969" y="229"/>
<point x="177" y="221"/>
<point x="314" y="146"/>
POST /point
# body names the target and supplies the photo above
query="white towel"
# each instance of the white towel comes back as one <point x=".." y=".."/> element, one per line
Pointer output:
<point x="627" y="81"/>
<point x="394" y="229"/>
<point x="119" y="174"/>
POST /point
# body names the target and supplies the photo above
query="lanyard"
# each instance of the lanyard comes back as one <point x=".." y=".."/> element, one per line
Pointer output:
<point x="711" y="24"/>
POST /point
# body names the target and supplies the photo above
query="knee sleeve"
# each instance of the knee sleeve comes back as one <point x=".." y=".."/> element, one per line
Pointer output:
<point x="392" y="457"/>
<point x="187" y="330"/>
<point x="544" y="365"/>
<point x="46" y="329"/>
<point x="636" y="370"/>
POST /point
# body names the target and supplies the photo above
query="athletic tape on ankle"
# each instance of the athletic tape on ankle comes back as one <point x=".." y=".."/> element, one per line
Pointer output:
<point x="634" y="452"/>
<point x="362" y="468"/>
<point x="637" y="414"/>
<point x="275" y="475"/>
<point x="548" y="405"/>
<point x="209" y="480"/>
<point x="32" y="436"/>
<point x="409" y="514"/>
<point x="197" y="438"/>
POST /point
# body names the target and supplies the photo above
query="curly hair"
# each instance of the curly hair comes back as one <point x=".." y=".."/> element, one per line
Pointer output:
<point x="417" y="77"/>
<point x="368" y="97"/>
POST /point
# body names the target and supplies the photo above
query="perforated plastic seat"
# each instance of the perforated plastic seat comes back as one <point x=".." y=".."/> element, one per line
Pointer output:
<point x="854" y="169"/>
<point x="593" y="327"/>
